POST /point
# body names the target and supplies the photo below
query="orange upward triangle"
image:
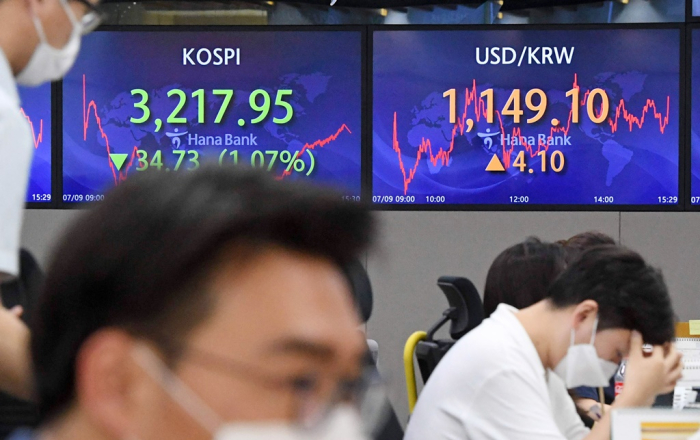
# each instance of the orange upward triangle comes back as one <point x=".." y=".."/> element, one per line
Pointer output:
<point x="495" y="165"/>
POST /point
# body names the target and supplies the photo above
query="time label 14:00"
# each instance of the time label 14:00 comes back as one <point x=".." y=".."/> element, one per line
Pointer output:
<point x="536" y="101"/>
<point x="260" y="101"/>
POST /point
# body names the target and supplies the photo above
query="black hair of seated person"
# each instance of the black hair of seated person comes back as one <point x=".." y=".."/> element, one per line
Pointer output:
<point x="521" y="274"/>
<point x="140" y="260"/>
<point x="579" y="243"/>
<point x="630" y="294"/>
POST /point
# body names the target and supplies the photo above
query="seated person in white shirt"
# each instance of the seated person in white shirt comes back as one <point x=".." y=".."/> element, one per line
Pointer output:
<point x="588" y="398"/>
<point x="520" y="277"/>
<point x="493" y="383"/>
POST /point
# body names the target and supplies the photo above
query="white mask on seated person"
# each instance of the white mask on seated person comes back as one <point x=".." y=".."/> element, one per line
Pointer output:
<point x="342" y="423"/>
<point x="581" y="365"/>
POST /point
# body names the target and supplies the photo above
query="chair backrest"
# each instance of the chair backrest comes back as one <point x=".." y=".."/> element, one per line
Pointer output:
<point x="465" y="313"/>
<point x="462" y="295"/>
<point x="429" y="354"/>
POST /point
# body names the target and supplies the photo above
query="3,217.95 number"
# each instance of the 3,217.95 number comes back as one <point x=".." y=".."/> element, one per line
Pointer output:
<point x="260" y="101"/>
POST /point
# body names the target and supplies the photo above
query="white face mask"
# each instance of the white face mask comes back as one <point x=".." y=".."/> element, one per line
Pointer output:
<point x="343" y="423"/>
<point x="581" y="365"/>
<point x="48" y="63"/>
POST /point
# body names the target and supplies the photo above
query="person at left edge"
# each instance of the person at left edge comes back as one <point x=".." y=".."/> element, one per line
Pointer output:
<point x="39" y="41"/>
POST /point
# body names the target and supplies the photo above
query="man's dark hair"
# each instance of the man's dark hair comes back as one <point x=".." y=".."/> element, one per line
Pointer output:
<point x="521" y="274"/>
<point x="579" y="243"/>
<point x="630" y="294"/>
<point x="141" y="260"/>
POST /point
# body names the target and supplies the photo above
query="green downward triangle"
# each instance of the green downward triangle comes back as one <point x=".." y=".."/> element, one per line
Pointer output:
<point x="118" y="160"/>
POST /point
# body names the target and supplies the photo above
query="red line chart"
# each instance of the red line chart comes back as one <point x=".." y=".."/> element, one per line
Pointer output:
<point x="91" y="108"/>
<point x="474" y="104"/>
<point x="320" y="143"/>
<point x="37" y="137"/>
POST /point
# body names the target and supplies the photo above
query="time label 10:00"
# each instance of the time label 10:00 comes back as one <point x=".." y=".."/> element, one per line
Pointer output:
<point x="260" y="101"/>
<point x="513" y="106"/>
<point x="407" y="199"/>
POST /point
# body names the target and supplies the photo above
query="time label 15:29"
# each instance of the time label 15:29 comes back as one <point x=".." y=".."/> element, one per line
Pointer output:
<point x="259" y="101"/>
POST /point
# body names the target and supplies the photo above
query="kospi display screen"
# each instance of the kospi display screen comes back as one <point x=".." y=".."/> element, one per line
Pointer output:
<point x="526" y="117"/>
<point x="36" y="107"/>
<point x="288" y="101"/>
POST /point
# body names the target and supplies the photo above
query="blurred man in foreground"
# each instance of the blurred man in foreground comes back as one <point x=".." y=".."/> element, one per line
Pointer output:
<point x="205" y="305"/>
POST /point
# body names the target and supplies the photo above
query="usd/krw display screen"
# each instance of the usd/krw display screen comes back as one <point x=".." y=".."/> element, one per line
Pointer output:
<point x="285" y="101"/>
<point x="36" y="107"/>
<point x="517" y="117"/>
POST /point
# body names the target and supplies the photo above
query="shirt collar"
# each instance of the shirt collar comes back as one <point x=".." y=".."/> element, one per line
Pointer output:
<point x="505" y="315"/>
<point x="7" y="80"/>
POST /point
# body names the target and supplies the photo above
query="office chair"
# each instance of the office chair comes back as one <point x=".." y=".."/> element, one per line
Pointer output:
<point x="464" y="314"/>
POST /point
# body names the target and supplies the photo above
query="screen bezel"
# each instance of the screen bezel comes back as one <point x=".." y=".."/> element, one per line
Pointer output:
<point x="690" y="28"/>
<point x="682" y="148"/>
<point x="361" y="29"/>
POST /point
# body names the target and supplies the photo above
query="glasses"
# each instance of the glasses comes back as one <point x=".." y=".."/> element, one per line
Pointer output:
<point x="92" y="18"/>
<point x="313" y="401"/>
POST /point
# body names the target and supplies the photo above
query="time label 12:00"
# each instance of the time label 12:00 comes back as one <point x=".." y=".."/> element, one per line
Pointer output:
<point x="260" y="101"/>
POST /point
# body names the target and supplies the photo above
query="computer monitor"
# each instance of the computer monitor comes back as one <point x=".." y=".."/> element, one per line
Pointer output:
<point x="288" y="100"/>
<point x="36" y="108"/>
<point x="655" y="424"/>
<point x="527" y="118"/>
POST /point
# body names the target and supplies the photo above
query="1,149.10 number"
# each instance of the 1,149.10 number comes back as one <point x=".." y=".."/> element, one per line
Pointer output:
<point x="539" y="105"/>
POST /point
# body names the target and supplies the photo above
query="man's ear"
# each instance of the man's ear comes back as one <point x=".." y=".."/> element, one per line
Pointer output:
<point x="107" y="382"/>
<point x="584" y="312"/>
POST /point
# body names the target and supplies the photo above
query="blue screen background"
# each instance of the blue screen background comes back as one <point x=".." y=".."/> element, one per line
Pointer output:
<point x="36" y="104"/>
<point x="322" y="68"/>
<point x="412" y="69"/>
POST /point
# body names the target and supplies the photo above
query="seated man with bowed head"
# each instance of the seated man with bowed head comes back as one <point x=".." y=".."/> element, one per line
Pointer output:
<point x="587" y="398"/>
<point x="493" y="383"/>
<point x="520" y="276"/>
<point x="203" y="305"/>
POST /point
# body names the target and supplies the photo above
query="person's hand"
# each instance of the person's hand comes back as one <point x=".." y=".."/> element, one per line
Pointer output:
<point x="591" y="407"/>
<point x="595" y="412"/>
<point x="674" y="368"/>
<point x="15" y="362"/>
<point x="649" y="373"/>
